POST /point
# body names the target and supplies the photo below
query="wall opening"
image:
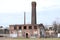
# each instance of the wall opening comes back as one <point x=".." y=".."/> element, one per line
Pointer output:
<point x="20" y="27"/>
<point x="25" y="27"/>
<point x="30" y="27"/>
<point x="26" y="35"/>
<point x="35" y="27"/>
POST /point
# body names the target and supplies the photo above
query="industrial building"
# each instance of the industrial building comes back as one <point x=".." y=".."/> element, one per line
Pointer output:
<point x="32" y="30"/>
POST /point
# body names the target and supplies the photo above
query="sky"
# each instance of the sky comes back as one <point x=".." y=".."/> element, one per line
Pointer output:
<point x="12" y="11"/>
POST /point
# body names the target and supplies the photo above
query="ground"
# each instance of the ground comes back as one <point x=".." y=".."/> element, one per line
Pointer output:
<point x="30" y="39"/>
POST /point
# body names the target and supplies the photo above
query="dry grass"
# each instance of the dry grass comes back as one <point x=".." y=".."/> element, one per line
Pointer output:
<point x="32" y="39"/>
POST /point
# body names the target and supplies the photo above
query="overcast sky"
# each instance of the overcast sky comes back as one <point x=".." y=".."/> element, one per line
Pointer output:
<point x="12" y="11"/>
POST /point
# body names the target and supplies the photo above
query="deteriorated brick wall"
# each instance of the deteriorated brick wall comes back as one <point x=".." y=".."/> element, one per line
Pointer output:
<point x="23" y="31"/>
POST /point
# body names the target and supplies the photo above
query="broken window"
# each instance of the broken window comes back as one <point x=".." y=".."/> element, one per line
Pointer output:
<point x="24" y="27"/>
<point x="20" y="28"/>
<point x="30" y="27"/>
<point x="35" y="27"/>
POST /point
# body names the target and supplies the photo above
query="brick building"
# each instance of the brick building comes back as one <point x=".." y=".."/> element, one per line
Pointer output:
<point x="27" y="30"/>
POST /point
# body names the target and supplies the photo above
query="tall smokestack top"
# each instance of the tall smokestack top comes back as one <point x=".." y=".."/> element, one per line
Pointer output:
<point x="33" y="20"/>
<point x="34" y="3"/>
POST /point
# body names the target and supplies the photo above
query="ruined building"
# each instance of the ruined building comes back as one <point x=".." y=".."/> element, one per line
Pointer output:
<point x="27" y="30"/>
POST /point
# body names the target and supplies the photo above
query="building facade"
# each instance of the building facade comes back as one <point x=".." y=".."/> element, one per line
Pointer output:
<point x="26" y="31"/>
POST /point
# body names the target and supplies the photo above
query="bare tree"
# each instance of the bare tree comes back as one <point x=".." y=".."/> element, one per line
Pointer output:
<point x="55" y="25"/>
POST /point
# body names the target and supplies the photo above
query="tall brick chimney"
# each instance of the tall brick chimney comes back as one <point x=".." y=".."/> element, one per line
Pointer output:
<point x="33" y="19"/>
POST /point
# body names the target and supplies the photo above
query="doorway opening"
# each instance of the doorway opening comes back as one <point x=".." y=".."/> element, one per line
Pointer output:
<point x="26" y="35"/>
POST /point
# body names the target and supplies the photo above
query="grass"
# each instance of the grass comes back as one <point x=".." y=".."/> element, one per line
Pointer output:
<point x="33" y="39"/>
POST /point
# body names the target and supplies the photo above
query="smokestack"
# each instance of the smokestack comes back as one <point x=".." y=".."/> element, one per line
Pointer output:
<point x="24" y="18"/>
<point x="33" y="20"/>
